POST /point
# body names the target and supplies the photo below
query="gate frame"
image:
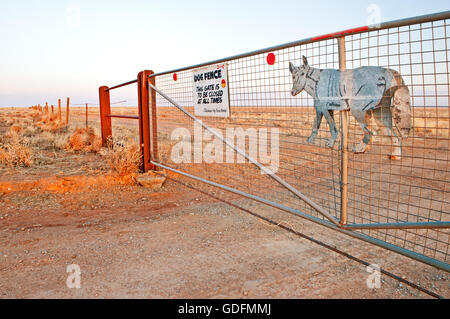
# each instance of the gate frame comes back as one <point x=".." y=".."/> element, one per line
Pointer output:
<point x="340" y="36"/>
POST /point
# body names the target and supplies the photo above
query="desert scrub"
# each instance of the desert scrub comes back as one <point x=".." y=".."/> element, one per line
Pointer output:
<point x="50" y="123"/>
<point x="84" y="140"/>
<point x="122" y="157"/>
<point x="45" y="140"/>
<point x="15" y="129"/>
<point x="15" y="153"/>
<point x="30" y="131"/>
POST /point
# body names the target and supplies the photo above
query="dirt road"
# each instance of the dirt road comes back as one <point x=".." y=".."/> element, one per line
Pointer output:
<point x="178" y="243"/>
<point x="131" y="242"/>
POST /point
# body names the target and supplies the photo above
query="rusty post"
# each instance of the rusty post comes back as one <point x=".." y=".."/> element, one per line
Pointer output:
<point x="67" y="111"/>
<point x="344" y="140"/>
<point x="144" y="119"/>
<point x="153" y="121"/>
<point x="52" y="109"/>
<point x="87" y="110"/>
<point x="59" y="110"/>
<point x="46" y="108"/>
<point x="105" y="112"/>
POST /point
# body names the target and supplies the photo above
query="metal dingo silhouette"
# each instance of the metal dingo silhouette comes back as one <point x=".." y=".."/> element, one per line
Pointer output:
<point x="366" y="91"/>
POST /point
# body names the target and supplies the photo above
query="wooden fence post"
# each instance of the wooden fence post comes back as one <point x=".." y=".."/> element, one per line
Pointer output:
<point x="67" y="111"/>
<point x="105" y="112"/>
<point x="59" y="110"/>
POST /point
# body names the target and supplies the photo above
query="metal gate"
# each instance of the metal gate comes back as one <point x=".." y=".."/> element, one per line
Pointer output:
<point x="400" y="205"/>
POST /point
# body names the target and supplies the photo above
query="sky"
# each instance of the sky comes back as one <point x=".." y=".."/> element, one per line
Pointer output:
<point x="58" y="49"/>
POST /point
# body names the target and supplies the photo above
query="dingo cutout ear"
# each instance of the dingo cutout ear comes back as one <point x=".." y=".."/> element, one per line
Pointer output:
<point x="305" y="60"/>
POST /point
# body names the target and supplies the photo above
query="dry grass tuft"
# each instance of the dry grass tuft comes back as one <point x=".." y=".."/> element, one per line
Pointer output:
<point x="50" y="123"/>
<point x="15" y="154"/>
<point x="49" y="118"/>
<point x="46" y="141"/>
<point x="123" y="160"/>
<point x="84" y="140"/>
<point x="30" y="131"/>
<point x="15" y="129"/>
<point x="54" y="127"/>
<point x="36" y="117"/>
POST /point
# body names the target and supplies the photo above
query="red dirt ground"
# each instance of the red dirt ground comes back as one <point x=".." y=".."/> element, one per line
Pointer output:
<point x="176" y="242"/>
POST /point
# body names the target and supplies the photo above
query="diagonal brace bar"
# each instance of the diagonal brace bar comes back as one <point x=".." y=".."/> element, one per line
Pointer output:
<point x="269" y="172"/>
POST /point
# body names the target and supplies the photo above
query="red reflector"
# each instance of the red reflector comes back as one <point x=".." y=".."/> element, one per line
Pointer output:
<point x="271" y="59"/>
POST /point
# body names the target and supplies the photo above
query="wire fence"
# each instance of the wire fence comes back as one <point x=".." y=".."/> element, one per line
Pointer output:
<point x="395" y="194"/>
<point x="414" y="189"/>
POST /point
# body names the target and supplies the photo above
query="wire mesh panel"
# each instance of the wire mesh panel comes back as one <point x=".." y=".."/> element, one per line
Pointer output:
<point x="398" y="179"/>
<point x="415" y="188"/>
<point x="274" y="123"/>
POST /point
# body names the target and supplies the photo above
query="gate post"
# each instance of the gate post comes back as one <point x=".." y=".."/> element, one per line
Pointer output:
<point x="344" y="141"/>
<point x="154" y="122"/>
<point x="105" y="111"/>
<point x="147" y="125"/>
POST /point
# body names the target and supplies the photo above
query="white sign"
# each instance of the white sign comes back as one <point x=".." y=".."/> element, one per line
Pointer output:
<point x="210" y="91"/>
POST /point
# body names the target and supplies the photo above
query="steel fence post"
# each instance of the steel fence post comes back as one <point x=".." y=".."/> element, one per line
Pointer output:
<point x="153" y="122"/>
<point x="105" y="111"/>
<point x="144" y="119"/>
